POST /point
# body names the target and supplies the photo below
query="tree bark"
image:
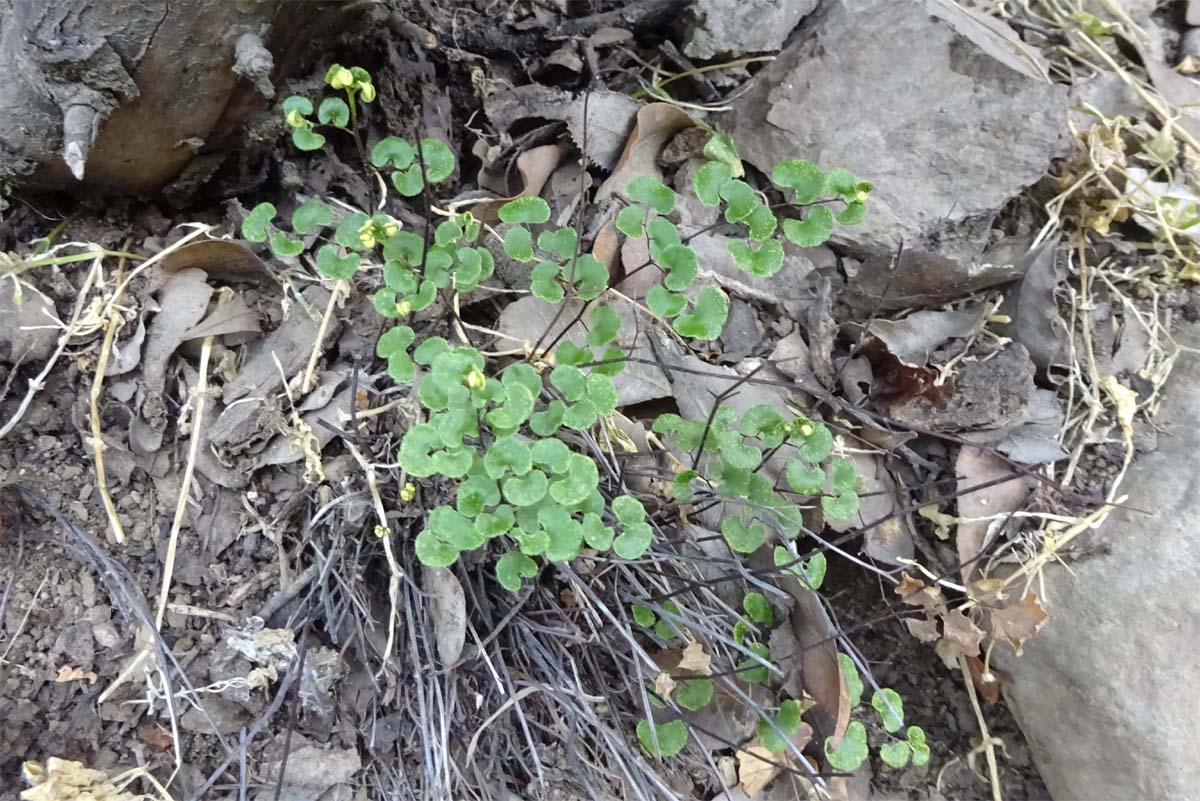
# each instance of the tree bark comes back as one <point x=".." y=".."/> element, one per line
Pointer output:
<point x="122" y="95"/>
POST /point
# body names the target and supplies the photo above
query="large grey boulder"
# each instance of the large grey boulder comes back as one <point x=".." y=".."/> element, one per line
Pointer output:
<point x="1107" y="691"/>
<point x="946" y="112"/>
<point x="742" y="26"/>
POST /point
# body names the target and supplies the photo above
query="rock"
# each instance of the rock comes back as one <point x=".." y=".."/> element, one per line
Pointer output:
<point x="1102" y="692"/>
<point x="717" y="27"/>
<point x="225" y="717"/>
<point x="948" y="115"/>
<point x="28" y="324"/>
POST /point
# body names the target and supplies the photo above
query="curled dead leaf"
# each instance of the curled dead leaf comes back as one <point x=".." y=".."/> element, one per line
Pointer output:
<point x="222" y="259"/>
<point x="695" y="659"/>
<point x="535" y="167"/>
<point x="913" y="591"/>
<point x="924" y="629"/>
<point x="962" y="637"/>
<point x="756" y="768"/>
<point x="655" y="125"/>
<point x="1017" y="622"/>
<point x="664" y="685"/>
<point x="67" y="673"/>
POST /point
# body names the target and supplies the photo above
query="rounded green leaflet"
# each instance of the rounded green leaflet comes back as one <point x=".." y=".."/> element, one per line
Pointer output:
<point x="507" y="455"/>
<point x="804" y="177"/>
<point x="758" y="608"/>
<point x="628" y="510"/>
<point x="666" y="629"/>
<point x="816" y="442"/>
<point x="812" y="231"/>
<point x="470" y="268"/>
<point x="518" y="405"/>
<point x="543" y="281"/>
<point x="545" y="423"/>
<point x="643" y="615"/>
<point x="284" y="247"/>
<point x="254" y="227"/>
<point x="518" y="244"/>
<point x="454" y="528"/>
<point x="405" y="247"/>
<point x="384" y="302"/>
<point x="707" y="318"/>
<point x="439" y="161"/>
<point x="581" y="415"/>
<point x="841" y="181"/>
<point x="787" y="721"/>
<point x="493" y="524"/>
<point x="840" y="507"/>
<point x="665" y="303"/>
<point x="394" y="340"/>
<point x="804" y="479"/>
<point x="602" y="392"/>
<point x="649" y="191"/>
<point x="590" y="276"/>
<point x="447" y="232"/>
<point x="531" y="538"/>
<point x="605" y="325"/>
<point x="393" y="150"/>
<point x="694" y="694"/>
<point x="597" y="535"/>
<point x="454" y="463"/>
<point x="475" y="494"/>
<point x="572" y="354"/>
<point x="854" y="682"/>
<point x="309" y="215"/>
<point x="916" y="742"/>
<point x="552" y="454"/>
<point x="561" y="242"/>
<point x="720" y="148"/>
<point x="566" y="539"/>
<point x="570" y="381"/>
<point x="894" y="754"/>
<point x="663" y="234"/>
<point x="708" y="180"/>
<point x="742" y="538"/>
<point x="401" y="368"/>
<point x="349" y="233"/>
<point x="433" y="551"/>
<point x="430" y="349"/>
<point x="409" y="182"/>
<point x="890" y="706"/>
<point x="854" y="213"/>
<point x="301" y="105"/>
<point x="307" y="139"/>
<point x="437" y="266"/>
<point x="512" y="567"/>
<point x="527" y="490"/>
<point x="525" y="210"/>
<point x="416" y="448"/>
<point x="851" y="751"/>
<point x="634" y="541"/>
<point x="523" y="374"/>
<point x="631" y="221"/>
<point x="844" y="474"/>
<point x="762" y="222"/>
<point x="765" y="421"/>
<point x="663" y="739"/>
<point x="680" y="263"/>
<point x="815" y="569"/>
<point x="751" y="670"/>
<point x="612" y="362"/>
<point x="334" y="111"/>
<point x="331" y="265"/>
<point x="761" y="262"/>
<point x="581" y="478"/>
<point x="740" y="200"/>
<point x="424" y="297"/>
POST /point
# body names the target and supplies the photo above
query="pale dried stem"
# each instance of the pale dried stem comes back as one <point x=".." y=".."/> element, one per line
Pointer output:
<point x="114" y="323"/>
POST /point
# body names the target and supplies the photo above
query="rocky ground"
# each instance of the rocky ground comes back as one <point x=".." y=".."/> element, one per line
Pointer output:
<point x="1007" y="341"/>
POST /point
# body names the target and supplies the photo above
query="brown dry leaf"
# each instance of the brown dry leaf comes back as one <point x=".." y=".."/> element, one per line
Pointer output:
<point x="1017" y="622"/>
<point x="987" y="683"/>
<point x="233" y="318"/>
<point x="913" y="591"/>
<point x="66" y="780"/>
<point x="755" y="773"/>
<point x="220" y="258"/>
<point x="607" y="248"/>
<point x="664" y="685"/>
<point x="656" y="124"/>
<point x="156" y="737"/>
<point x="918" y="335"/>
<point x="961" y="635"/>
<point x="820" y="674"/>
<point x="924" y="630"/>
<point x="974" y="467"/>
<point x="67" y="673"/>
<point x="535" y="167"/>
<point x="695" y="659"/>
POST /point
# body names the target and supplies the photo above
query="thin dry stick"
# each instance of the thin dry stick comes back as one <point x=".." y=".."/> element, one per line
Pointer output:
<point x="114" y="322"/>
<point x="185" y="487"/>
<point x="37" y="383"/>
<point x="989" y="748"/>
<point x="306" y="386"/>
